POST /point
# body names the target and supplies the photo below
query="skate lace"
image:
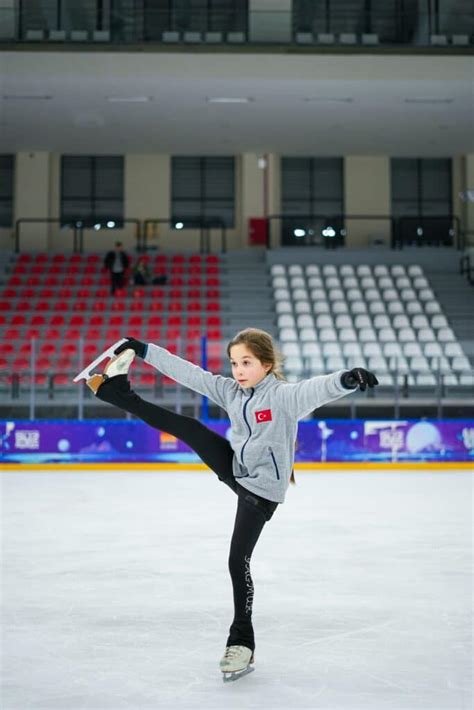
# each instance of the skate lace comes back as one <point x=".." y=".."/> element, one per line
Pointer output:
<point x="231" y="652"/>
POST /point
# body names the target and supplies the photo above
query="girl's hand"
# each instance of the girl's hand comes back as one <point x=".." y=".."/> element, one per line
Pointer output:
<point x="136" y="345"/>
<point x="358" y="377"/>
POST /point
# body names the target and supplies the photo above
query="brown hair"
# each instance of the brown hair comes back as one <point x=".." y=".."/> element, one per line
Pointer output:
<point x="261" y="345"/>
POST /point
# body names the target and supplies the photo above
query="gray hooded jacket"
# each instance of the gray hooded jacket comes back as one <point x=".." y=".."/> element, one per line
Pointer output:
<point x="264" y="418"/>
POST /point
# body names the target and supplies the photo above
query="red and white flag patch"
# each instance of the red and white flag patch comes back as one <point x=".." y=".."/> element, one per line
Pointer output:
<point x="265" y="415"/>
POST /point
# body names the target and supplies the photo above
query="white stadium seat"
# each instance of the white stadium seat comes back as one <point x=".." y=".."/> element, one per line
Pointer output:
<point x="382" y="321"/>
<point x="320" y="307"/>
<point x="420" y="282"/>
<point x="357" y="307"/>
<point x="331" y="349"/>
<point x="397" y="270"/>
<point x="333" y="282"/>
<point x="290" y="349"/>
<point x="461" y="363"/>
<point x="286" y="321"/>
<point x="297" y="282"/>
<point x="302" y="307"/>
<point x="380" y="270"/>
<point x="446" y="335"/>
<point x="315" y="282"/>
<point x="283" y="307"/>
<point x="415" y="270"/>
<point x="350" y="282"/>
<point x="279" y="282"/>
<point x="308" y="335"/>
<point x="347" y="335"/>
<point x="413" y="307"/>
<point x="327" y="335"/>
<point x="339" y="307"/>
<point x="426" y="335"/>
<point x="354" y="294"/>
<point x="439" y="321"/>
<point x="372" y="294"/>
<point x="392" y="350"/>
<point x="432" y="307"/>
<point x="400" y="321"/>
<point x="362" y="321"/>
<point x="343" y="321"/>
<point x="367" y="282"/>
<point x="420" y="321"/>
<point x="377" y="364"/>
<point x="432" y="350"/>
<point x="346" y="270"/>
<point x="335" y="294"/>
<point x="351" y="350"/>
<point x="406" y="335"/>
<point x="310" y="349"/>
<point x="466" y="379"/>
<point x="394" y="307"/>
<point x="407" y="294"/>
<point x="277" y="270"/>
<point x="376" y="308"/>
<point x="385" y="283"/>
<point x="288" y="335"/>
<point x="295" y="270"/>
<point x="300" y="294"/>
<point x="294" y="365"/>
<point x="426" y="294"/>
<point x="329" y="270"/>
<point x="367" y="335"/>
<point x="305" y="320"/>
<point x="371" y="350"/>
<point x="453" y="350"/>
<point x="363" y="270"/>
<point x="389" y="294"/>
<point x="425" y="379"/>
<point x="387" y="335"/>
<point x="402" y="282"/>
<point x="312" y="270"/>
<point x="281" y="294"/>
<point x="412" y="349"/>
<point x="317" y="294"/>
<point x="419" y="364"/>
<point x="324" y="321"/>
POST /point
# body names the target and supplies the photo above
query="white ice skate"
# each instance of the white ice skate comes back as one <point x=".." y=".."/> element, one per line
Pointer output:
<point x="87" y="371"/>
<point x="236" y="662"/>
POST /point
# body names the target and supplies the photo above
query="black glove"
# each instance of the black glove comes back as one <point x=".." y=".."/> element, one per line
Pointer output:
<point x="136" y="345"/>
<point x="358" y="377"/>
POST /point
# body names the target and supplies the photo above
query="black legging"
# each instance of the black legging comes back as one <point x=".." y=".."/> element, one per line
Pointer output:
<point x="215" y="451"/>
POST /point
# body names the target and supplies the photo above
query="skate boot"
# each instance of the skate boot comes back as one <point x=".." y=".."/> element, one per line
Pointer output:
<point x="86" y="372"/>
<point x="118" y="365"/>
<point x="236" y="662"/>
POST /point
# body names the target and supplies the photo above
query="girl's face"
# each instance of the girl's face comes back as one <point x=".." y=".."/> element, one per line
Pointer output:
<point x="246" y="368"/>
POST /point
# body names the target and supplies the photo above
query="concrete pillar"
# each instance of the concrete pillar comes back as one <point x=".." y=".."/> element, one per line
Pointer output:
<point x="32" y="185"/>
<point x="270" y="20"/>
<point x="367" y="192"/>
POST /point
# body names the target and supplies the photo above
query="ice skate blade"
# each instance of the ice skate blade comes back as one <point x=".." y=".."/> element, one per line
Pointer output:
<point x="87" y="371"/>
<point x="229" y="677"/>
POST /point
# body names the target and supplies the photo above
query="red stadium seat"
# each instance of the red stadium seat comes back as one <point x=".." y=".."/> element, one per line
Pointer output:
<point x="212" y="269"/>
<point x="68" y="281"/>
<point x="175" y="306"/>
<point x="193" y="334"/>
<point x="212" y="281"/>
<point x="38" y="319"/>
<point x="65" y="293"/>
<point x="173" y="333"/>
<point x="43" y="364"/>
<point x="155" y="306"/>
<point x="7" y="348"/>
<point x="154" y="321"/>
<point x="118" y="306"/>
<point x="10" y="293"/>
<point x="138" y="293"/>
<point x="57" y="320"/>
<point x="194" y="320"/>
<point x="38" y="269"/>
<point x="32" y="333"/>
<point x="152" y="335"/>
<point x="113" y="334"/>
<point x="11" y="334"/>
<point x="214" y="334"/>
<point x="194" y="281"/>
<point x="96" y="320"/>
<point x="47" y="348"/>
<point x="157" y="293"/>
<point x="212" y="293"/>
<point x="39" y="306"/>
<point x="54" y="269"/>
<point x="194" y="293"/>
<point x="61" y="306"/>
<point x="214" y="320"/>
<point x="195" y="258"/>
<point x="88" y="281"/>
<point x="137" y="306"/>
<point x="101" y="293"/>
<point x="33" y="281"/>
<point x="117" y="320"/>
<point x="24" y="258"/>
<point x="213" y="306"/>
<point x="99" y="306"/>
<point x="58" y="259"/>
<point x="93" y="335"/>
<point x="177" y="259"/>
<point x="14" y="281"/>
<point x="53" y="334"/>
<point x="73" y="269"/>
<point x="51" y="281"/>
<point x="27" y="293"/>
<point x="120" y="293"/>
<point x="77" y="320"/>
<point x="60" y="378"/>
<point x="192" y="352"/>
<point x="75" y="259"/>
<point x="175" y="320"/>
<point x="93" y="259"/>
<point x="83" y="293"/>
<point x="20" y="363"/>
<point x="212" y="259"/>
<point x="65" y="364"/>
<point x="147" y="378"/>
<point x="135" y="321"/>
<point x="69" y="347"/>
<point x="72" y="334"/>
<point x="195" y="270"/>
<point x="5" y="306"/>
<point x="80" y="306"/>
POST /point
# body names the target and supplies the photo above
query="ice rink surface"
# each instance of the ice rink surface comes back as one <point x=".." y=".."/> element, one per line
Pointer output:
<point x="115" y="592"/>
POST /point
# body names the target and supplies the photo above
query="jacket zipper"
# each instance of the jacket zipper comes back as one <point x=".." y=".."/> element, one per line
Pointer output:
<point x="274" y="463"/>
<point x="250" y="430"/>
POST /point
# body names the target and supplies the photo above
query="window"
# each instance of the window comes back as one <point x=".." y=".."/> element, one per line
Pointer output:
<point x="92" y="190"/>
<point x="422" y="197"/>
<point x="195" y="16"/>
<point x="312" y="188"/>
<point x="203" y="189"/>
<point x="7" y="167"/>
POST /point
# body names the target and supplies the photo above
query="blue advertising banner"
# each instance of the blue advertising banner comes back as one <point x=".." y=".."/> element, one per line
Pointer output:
<point x="331" y="440"/>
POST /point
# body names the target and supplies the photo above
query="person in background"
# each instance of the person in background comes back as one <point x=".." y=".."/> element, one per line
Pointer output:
<point x="141" y="272"/>
<point x="117" y="262"/>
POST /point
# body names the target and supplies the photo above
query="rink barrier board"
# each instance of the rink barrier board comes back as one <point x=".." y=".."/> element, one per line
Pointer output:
<point x="329" y="443"/>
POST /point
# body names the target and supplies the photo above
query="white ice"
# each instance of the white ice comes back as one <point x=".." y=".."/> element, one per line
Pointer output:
<point x="116" y="593"/>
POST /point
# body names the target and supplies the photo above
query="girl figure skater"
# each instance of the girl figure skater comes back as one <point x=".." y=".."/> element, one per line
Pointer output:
<point x="256" y="463"/>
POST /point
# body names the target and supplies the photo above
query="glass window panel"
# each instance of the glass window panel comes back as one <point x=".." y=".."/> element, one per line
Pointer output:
<point x="6" y="176"/>
<point x="223" y="209"/>
<point x="203" y="186"/>
<point x="436" y="179"/>
<point x="404" y="177"/>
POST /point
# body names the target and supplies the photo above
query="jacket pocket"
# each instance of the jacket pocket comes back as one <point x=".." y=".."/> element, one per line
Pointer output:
<point x="274" y="462"/>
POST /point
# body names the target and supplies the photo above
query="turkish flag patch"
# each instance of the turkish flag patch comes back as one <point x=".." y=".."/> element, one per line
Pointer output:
<point x="265" y="415"/>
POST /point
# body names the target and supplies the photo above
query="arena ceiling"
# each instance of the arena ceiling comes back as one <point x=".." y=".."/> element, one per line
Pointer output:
<point x="104" y="102"/>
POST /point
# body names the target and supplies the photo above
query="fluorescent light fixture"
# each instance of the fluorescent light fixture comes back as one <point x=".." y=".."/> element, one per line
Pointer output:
<point x="229" y="100"/>
<point x="328" y="99"/>
<point x="427" y="100"/>
<point x="26" y="97"/>
<point x="299" y="232"/>
<point x="328" y="232"/>
<point x="179" y="225"/>
<point x="97" y="226"/>
<point x="129" y="99"/>
<point x="110" y="224"/>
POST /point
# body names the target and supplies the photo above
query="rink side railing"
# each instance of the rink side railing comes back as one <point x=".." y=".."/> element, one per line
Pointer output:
<point x="40" y="385"/>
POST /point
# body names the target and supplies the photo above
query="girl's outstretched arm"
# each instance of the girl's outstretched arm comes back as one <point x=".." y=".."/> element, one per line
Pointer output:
<point x="218" y="388"/>
<point x="305" y="396"/>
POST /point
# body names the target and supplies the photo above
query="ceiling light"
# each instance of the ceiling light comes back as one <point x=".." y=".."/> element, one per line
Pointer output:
<point x="129" y="99"/>
<point x="328" y="99"/>
<point x="428" y="101"/>
<point x="229" y="100"/>
<point x="26" y="97"/>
